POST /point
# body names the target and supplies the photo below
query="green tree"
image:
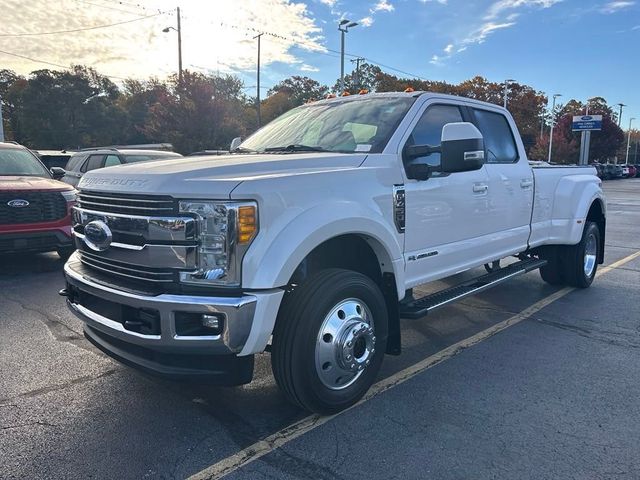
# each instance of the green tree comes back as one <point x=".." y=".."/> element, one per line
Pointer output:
<point x="300" y="89"/>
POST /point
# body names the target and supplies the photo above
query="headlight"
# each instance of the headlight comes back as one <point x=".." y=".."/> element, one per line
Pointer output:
<point x="70" y="195"/>
<point x="225" y="230"/>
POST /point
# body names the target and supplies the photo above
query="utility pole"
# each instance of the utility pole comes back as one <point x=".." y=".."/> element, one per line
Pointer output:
<point x="506" y="90"/>
<point x="626" y="162"/>
<point x="356" y="75"/>
<point x="344" y="25"/>
<point x="258" y="82"/>
<point x="620" y="114"/>
<point x="1" y="123"/>
<point x="553" y="123"/>
<point x="179" y="30"/>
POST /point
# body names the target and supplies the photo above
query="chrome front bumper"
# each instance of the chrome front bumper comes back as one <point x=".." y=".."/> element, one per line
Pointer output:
<point x="156" y="352"/>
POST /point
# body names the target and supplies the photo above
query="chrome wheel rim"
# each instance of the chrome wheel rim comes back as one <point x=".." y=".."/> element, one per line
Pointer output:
<point x="345" y="345"/>
<point x="590" y="255"/>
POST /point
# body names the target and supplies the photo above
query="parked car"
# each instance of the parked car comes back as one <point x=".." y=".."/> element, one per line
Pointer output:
<point x="599" y="170"/>
<point x="625" y="171"/>
<point x="54" y="158"/>
<point x="637" y="165"/>
<point x="92" y="159"/>
<point x="618" y="172"/>
<point x="35" y="209"/>
<point x="308" y="240"/>
<point x="632" y="171"/>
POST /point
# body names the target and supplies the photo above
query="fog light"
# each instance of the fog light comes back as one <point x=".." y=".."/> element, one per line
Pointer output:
<point x="211" y="321"/>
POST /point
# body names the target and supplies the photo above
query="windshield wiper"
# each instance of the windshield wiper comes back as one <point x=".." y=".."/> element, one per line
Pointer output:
<point x="296" y="147"/>
<point x="243" y="150"/>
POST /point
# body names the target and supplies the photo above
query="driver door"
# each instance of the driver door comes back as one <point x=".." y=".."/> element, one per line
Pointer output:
<point x="445" y="214"/>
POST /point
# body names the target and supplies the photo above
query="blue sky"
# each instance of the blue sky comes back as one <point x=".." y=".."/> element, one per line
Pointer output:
<point x="579" y="48"/>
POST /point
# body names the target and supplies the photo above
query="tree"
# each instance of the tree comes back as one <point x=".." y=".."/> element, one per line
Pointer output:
<point x="11" y="85"/>
<point x="300" y="90"/>
<point x="365" y="78"/>
<point x="201" y="112"/>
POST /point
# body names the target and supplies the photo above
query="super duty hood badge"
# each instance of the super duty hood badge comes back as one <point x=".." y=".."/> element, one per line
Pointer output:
<point x="125" y="182"/>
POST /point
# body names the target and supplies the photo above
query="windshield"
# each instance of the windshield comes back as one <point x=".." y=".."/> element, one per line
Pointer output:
<point x="362" y="125"/>
<point x="18" y="162"/>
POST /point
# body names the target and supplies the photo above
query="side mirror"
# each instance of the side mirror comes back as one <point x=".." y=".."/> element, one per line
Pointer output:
<point x="235" y="143"/>
<point x="462" y="148"/>
<point x="58" y="172"/>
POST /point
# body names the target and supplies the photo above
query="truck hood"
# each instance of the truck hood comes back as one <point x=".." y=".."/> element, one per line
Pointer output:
<point x="211" y="176"/>
<point x="22" y="184"/>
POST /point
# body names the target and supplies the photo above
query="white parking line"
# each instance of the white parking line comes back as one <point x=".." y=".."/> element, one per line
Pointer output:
<point x="287" y="434"/>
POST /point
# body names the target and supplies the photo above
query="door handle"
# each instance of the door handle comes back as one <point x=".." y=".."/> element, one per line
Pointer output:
<point x="526" y="183"/>
<point x="480" y="187"/>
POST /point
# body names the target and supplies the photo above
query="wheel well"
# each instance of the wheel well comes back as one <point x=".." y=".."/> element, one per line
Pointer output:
<point x="355" y="252"/>
<point x="596" y="214"/>
<point x="350" y="252"/>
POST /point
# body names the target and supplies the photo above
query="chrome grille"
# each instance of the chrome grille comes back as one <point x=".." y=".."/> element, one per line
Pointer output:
<point x="149" y="205"/>
<point x="132" y="272"/>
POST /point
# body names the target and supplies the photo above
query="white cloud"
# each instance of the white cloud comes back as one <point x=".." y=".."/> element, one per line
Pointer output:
<point x="637" y="27"/>
<point x="435" y="60"/>
<point x="329" y="3"/>
<point x="382" y="6"/>
<point x="217" y="35"/>
<point x="309" y="68"/>
<point x="613" y="7"/>
<point x="366" y="21"/>
<point x="448" y="49"/>
<point x="501" y="6"/>
<point x="481" y="34"/>
<point x="441" y="2"/>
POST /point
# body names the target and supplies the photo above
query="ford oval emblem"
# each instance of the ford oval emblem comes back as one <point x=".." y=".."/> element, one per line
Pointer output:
<point x="586" y="118"/>
<point x="97" y="235"/>
<point x="18" y="203"/>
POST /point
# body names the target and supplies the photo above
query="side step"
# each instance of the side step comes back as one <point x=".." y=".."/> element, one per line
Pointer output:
<point x="420" y="307"/>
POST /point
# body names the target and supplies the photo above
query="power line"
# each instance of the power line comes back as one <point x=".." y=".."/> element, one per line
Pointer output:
<point x="95" y="27"/>
<point x="49" y="63"/>
<point x="111" y="8"/>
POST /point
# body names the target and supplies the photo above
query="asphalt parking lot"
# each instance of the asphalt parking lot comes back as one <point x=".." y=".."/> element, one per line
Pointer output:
<point x="553" y="392"/>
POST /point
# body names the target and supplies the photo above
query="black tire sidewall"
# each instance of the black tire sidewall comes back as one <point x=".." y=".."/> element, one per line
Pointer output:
<point x="315" y="393"/>
<point x="582" y="280"/>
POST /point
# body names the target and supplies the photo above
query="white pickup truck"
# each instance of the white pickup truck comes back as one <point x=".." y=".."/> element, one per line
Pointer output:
<point x="307" y="240"/>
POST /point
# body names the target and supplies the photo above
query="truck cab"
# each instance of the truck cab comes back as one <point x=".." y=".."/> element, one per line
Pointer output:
<point x="306" y="241"/>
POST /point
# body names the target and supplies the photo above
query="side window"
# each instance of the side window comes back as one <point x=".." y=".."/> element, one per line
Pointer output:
<point x="498" y="137"/>
<point x="73" y="165"/>
<point x="95" y="161"/>
<point x="428" y="130"/>
<point x="111" y="160"/>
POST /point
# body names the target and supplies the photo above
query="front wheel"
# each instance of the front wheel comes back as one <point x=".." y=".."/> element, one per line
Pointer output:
<point x="329" y="340"/>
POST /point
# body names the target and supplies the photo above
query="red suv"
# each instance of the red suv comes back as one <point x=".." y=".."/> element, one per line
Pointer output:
<point x="35" y="209"/>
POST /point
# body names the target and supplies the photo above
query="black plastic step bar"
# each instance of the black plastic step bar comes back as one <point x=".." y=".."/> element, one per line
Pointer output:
<point x="422" y="306"/>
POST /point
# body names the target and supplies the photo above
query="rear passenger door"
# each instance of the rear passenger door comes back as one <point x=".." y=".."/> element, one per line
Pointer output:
<point x="510" y="181"/>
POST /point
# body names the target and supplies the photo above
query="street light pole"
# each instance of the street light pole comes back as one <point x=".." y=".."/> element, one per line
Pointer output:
<point x="620" y="114"/>
<point x="553" y="123"/>
<point x="179" y="30"/>
<point x="344" y="25"/>
<point x="626" y="162"/>
<point x="258" y="80"/>
<point x="1" y="123"/>
<point x="506" y="90"/>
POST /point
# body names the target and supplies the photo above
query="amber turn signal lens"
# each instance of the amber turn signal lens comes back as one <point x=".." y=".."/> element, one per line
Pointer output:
<point x="247" y="224"/>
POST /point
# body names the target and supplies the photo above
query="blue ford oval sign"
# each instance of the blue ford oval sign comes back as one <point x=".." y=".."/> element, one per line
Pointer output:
<point x="18" y="203"/>
<point x="97" y="235"/>
<point x="586" y="118"/>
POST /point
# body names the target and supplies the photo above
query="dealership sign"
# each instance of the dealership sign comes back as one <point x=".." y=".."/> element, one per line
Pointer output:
<point x="586" y="122"/>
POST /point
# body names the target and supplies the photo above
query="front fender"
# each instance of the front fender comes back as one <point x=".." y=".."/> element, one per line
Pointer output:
<point x="276" y="254"/>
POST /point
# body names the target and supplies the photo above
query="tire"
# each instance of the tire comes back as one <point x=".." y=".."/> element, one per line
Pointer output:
<point x="552" y="271"/>
<point x="581" y="260"/>
<point x="65" y="252"/>
<point x="325" y="372"/>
